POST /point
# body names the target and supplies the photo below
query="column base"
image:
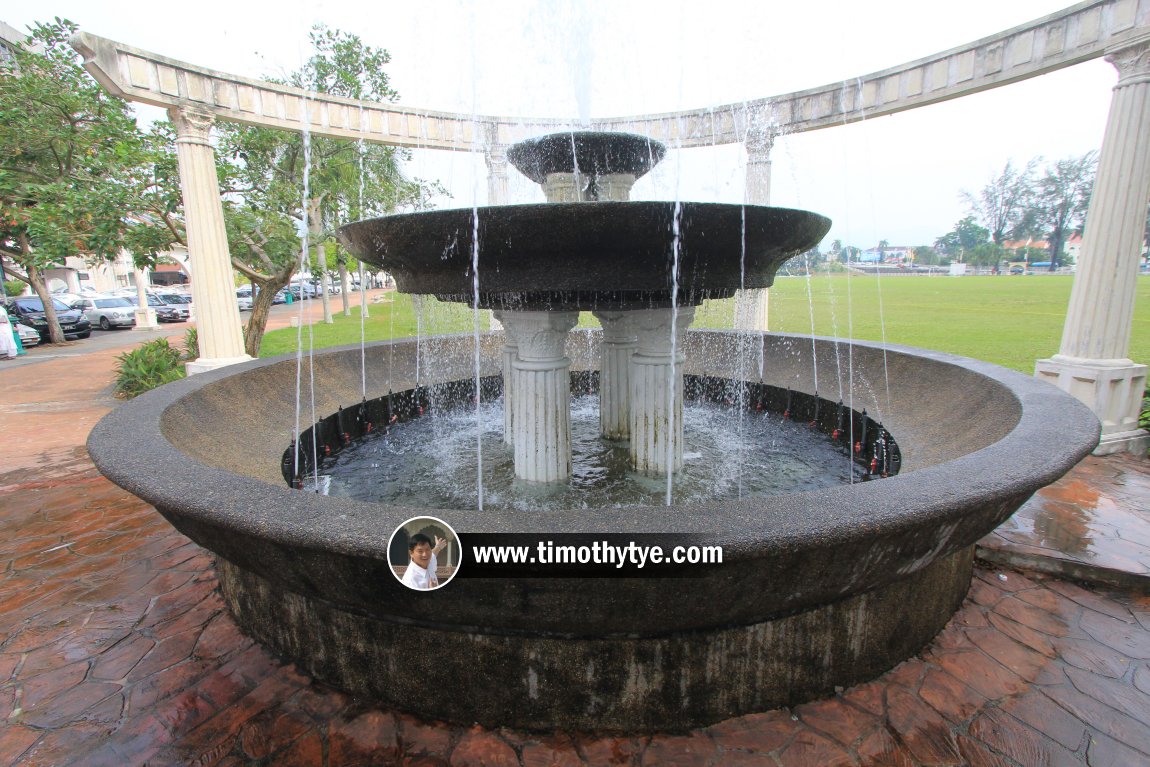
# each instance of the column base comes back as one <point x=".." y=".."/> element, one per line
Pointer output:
<point x="1113" y="392"/>
<point x="1136" y="442"/>
<point x="206" y="364"/>
<point x="146" y="319"/>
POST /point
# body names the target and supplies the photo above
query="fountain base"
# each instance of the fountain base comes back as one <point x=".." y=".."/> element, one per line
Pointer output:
<point x="818" y="588"/>
<point x="629" y="684"/>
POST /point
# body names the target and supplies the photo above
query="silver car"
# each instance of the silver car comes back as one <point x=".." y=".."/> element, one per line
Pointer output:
<point x="181" y="303"/>
<point x="108" y="311"/>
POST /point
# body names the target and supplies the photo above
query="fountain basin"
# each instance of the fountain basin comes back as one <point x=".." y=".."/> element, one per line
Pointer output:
<point x="817" y="589"/>
<point x="575" y="249"/>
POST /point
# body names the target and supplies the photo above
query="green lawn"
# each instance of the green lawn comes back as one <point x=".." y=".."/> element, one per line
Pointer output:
<point x="1009" y="320"/>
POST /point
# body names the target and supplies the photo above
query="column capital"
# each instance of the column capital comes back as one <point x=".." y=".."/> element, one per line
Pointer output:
<point x="192" y="125"/>
<point x="1132" y="63"/>
<point x="759" y="142"/>
<point x="496" y="157"/>
<point x="653" y="327"/>
<point x="540" y="336"/>
<point x="617" y="326"/>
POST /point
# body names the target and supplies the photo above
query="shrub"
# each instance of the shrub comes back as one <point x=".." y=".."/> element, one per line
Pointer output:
<point x="191" y="344"/>
<point x="149" y="365"/>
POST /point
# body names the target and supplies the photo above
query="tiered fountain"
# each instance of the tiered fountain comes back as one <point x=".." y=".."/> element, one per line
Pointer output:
<point x="818" y="589"/>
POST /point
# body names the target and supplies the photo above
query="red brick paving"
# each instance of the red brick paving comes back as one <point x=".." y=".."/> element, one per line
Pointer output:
<point x="115" y="649"/>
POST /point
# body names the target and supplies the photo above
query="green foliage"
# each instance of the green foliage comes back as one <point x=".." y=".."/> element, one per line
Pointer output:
<point x="149" y="365"/>
<point x="78" y="178"/>
<point x="262" y="172"/>
<point x="13" y="287"/>
<point x="191" y="344"/>
<point x="1003" y="203"/>
<point x="77" y="170"/>
<point x="965" y="237"/>
<point x="1063" y="198"/>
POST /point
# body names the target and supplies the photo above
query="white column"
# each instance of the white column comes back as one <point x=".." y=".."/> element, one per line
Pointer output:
<point x="509" y="353"/>
<point x="213" y="287"/>
<point x="496" y="156"/>
<point x="615" y="187"/>
<point x="656" y="378"/>
<point x="1092" y="362"/>
<point x="619" y="342"/>
<point x="751" y="306"/>
<point x="542" y="394"/>
<point x="145" y="315"/>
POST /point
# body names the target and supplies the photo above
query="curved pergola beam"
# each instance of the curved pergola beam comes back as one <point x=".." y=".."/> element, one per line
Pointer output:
<point x="1079" y="33"/>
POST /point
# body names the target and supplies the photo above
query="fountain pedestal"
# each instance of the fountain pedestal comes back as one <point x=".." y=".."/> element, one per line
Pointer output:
<point x="656" y="376"/>
<point x="541" y="386"/>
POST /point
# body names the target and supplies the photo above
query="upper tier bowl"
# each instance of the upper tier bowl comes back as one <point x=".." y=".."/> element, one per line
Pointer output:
<point x="585" y="255"/>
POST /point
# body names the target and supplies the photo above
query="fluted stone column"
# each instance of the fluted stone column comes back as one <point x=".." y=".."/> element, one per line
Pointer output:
<point x="213" y="287"/>
<point x="509" y="353"/>
<point x="618" y="343"/>
<point x="1092" y="362"/>
<point x="656" y="378"/>
<point x="751" y="306"/>
<point x="542" y="394"/>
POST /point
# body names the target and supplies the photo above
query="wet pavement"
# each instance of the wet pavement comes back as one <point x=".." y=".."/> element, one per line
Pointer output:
<point x="116" y="649"/>
<point x="1093" y="525"/>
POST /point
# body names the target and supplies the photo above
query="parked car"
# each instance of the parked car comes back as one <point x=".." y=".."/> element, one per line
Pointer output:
<point x="108" y="311"/>
<point x="176" y="301"/>
<point x="28" y="336"/>
<point x="29" y="310"/>
<point x="164" y="313"/>
<point x="244" y="299"/>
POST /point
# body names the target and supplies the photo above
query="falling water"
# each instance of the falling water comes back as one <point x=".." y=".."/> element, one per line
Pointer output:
<point x="304" y="244"/>
<point x="475" y="330"/>
<point x="676" y="225"/>
<point x="362" y="285"/>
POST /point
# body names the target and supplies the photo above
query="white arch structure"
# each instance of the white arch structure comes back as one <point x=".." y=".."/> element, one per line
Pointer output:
<point x="1092" y="362"/>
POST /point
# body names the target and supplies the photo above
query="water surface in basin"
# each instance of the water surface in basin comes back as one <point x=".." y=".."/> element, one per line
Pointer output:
<point x="430" y="462"/>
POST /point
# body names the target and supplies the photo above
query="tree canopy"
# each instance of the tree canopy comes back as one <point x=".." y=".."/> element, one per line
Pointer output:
<point x="263" y="175"/>
<point x="77" y="177"/>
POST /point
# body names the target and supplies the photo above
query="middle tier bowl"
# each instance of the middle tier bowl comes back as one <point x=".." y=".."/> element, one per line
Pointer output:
<point x="586" y="255"/>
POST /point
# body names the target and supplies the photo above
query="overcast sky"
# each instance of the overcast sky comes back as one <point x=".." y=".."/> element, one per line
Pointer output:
<point x="895" y="178"/>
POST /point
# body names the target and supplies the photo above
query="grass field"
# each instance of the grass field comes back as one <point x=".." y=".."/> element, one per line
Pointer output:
<point x="1009" y="320"/>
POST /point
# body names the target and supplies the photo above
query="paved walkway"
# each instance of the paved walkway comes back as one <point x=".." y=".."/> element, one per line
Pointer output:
<point x="115" y="648"/>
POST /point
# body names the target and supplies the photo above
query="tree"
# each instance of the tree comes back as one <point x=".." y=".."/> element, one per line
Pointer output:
<point x="925" y="255"/>
<point x="263" y="172"/>
<point x="965" y="237"/>
<point x="77" y="177"/>
<point x="1062" y="200"/>
<point x="1003" y="202"/>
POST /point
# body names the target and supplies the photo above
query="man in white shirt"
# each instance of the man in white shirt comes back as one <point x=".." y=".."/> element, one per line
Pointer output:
<point x="420" y="573"/>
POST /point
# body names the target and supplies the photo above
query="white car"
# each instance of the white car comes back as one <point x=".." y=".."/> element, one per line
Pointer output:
<point x="244" y="300"/>
<point x="108" y="311"/>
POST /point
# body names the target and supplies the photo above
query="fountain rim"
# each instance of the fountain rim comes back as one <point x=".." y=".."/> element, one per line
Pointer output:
<point x="929" y="495"/>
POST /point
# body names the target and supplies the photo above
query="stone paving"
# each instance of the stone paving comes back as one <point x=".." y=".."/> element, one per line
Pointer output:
<point x="115" y="649"/>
